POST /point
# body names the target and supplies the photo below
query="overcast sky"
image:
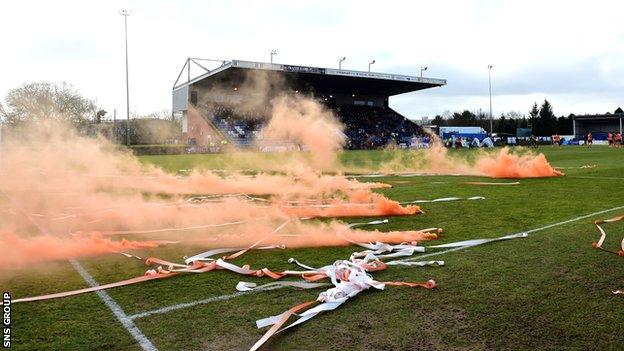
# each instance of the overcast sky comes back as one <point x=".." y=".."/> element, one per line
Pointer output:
<point x="569" y="52"/>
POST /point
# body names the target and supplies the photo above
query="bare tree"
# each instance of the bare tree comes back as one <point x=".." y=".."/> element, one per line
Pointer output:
<point x="2" y="112"/>
<point x="45" y="101"/>
<point x="514" y="115"/>
<point x="162" y="114"/>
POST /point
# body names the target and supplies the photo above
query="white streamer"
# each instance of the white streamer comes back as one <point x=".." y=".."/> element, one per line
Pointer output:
<point x="460" y="245"/>
<point x="416" y="263"/>
<point x="444" y="199"/>
<point x="476" y="242"/>
<point x="376" y="222"/>
<point x="207" y="255"/>
<point x="247" y="286"/>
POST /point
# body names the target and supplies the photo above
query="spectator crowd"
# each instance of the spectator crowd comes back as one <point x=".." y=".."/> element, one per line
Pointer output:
<point x="370" y="127"/>
<point x="366" y="127"/>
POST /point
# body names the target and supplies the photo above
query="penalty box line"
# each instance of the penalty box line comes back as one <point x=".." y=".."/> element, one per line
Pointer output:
<point x="112" y="305"/>
<point x="596" y="177"/>
<point x="121" y="316"/>
<point x="197" y="302"/>
<point x="533" y="230"/>
<point x="167" y="309"/>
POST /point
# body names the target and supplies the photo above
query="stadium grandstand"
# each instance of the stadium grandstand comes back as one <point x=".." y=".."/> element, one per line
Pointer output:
<point x="599" y="124"/>
<point x="230" y="103"/>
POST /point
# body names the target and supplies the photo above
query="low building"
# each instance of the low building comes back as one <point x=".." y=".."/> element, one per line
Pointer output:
<point x="599" y="124"/>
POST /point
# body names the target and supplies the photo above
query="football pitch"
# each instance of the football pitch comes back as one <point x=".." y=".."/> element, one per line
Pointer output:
<point x="550" y="290"/>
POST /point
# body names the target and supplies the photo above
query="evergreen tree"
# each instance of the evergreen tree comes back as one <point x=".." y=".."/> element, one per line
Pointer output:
<point x="523" y="123"/>
<point x="534" y="121"/>
<point x="564" y="125"/>
<point x="463" y="119"/>
<point x="548" y="121"/>
<point x="534" y="112"/>
<point x="438" y="121"/>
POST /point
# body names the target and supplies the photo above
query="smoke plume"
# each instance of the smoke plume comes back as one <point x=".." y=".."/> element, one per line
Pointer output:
<point x="438" y="160"/>
<point x="66" y="195"/>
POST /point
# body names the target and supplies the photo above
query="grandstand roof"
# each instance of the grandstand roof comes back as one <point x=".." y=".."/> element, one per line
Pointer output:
<point x="316" y="78"/>
<point x="605" y="116"/>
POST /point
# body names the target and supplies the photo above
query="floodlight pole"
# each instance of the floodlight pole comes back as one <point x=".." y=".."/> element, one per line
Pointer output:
<point x="422" y="69"/>
<point x="370" y="63"/>
<point x="188" y="70"/>
<point x="126" y="13"/>
<point x="490" y="84"/>
<point x="273" y="52"/>
<point x="340" y="62"/>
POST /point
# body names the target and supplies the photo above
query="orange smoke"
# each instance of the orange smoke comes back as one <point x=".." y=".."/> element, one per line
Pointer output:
<point x="18" y="250"/>
<point x="500" y="164"/>
<point x="60" y="182"/>
<point x="311" y="234"/>
<point x="303" y="183"/>
<point x="380" y="206"/>
<point x="305" y="122"/>
<point x="507" y="165"/>
<point x="347" y="237"/>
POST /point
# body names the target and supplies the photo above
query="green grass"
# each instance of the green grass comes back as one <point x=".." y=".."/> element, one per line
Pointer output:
<point x="548" y="291"/>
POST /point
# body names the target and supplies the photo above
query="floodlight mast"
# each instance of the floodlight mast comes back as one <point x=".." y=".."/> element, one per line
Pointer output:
<point x="340" y="62"/>
<point x="422" y="69"/>
<point x="370" y="63"/>
<point x="127" y="13"/>
<point x="490" y="84"/>
<point x="273" y="52"/>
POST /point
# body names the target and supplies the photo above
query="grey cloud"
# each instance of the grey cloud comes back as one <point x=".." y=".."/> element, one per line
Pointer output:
<point x="58" y="49"/>
<point x="565" y="78"/>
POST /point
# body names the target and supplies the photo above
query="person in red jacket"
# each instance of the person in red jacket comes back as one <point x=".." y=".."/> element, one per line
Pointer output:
<point x="610" y="139"/>
<point x="590" y="139"/>
<point x="556" y="140"/>
<point x="618" y="139"/>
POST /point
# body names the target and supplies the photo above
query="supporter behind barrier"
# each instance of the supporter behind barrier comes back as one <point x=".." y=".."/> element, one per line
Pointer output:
<point x="366" y="127"/>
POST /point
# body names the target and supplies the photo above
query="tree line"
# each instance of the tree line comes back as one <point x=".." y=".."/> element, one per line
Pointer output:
<point x="541" y="119"/>
<point x="61" y="102"/>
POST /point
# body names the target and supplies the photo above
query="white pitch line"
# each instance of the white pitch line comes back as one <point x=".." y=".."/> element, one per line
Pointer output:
<point x="194" y="303"/>
<point x="121" y="316"/>
<point x="595" y="177"/>
<point x="530" y="231"/>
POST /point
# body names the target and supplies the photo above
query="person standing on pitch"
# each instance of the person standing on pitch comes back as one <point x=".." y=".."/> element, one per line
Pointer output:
<point x="590" y="139"/>
<point x="610" y="139"/>
<point x="618" y="139"/>
<point x="556" y="139"/>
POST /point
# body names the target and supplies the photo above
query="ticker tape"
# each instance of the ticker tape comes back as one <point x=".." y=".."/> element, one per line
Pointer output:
<point x="204" y="263"/>
<point x="348" y="278"/>
<point x="603" y="236"/>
